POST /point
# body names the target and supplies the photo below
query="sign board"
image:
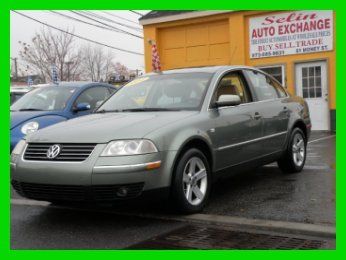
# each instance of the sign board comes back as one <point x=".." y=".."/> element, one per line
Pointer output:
<point x="294" y="32"/>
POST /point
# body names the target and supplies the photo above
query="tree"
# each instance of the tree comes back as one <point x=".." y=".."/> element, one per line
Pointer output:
<point x="96" y="64"/>
<point x="47" y="48"/>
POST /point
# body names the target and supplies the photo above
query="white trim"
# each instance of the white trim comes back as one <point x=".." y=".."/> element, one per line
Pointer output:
<point x="182" y="16"/>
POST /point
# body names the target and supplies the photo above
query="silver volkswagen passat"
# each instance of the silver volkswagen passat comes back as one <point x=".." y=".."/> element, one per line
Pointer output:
<point x="171" y="134"/>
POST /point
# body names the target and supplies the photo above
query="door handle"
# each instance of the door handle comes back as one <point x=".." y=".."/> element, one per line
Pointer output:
<point x="257" y="116"/>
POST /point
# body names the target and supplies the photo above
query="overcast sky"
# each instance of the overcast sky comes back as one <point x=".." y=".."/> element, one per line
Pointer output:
<point x="23" y="29"/>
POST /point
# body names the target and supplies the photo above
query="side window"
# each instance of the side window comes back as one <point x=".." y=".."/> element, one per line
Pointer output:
<point x="93" y="96"/>
<point x="233" y="84"/>
<point x="262" y="85"/>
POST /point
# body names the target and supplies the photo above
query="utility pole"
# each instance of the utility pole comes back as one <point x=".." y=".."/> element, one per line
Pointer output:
<point x="68" y="63"/>
<point x="15" y="67"/>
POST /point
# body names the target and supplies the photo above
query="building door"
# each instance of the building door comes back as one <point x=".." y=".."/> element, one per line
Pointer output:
<point x="311" y="84"/>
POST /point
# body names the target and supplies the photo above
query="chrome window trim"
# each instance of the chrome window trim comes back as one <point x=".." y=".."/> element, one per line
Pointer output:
<point x="250" y="141"/>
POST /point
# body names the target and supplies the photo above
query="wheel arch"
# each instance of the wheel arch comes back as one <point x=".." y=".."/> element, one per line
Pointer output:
<point x="199" y="143"/>
<point x="299" y="123"/>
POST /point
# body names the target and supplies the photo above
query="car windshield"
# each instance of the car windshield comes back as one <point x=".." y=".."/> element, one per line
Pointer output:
<point x="44" y="99"/>
<point x="14" y="96"/>
<point x="179" y="91"/>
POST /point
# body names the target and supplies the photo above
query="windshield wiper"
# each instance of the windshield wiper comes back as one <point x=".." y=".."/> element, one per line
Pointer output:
<point x="107" y="111"/>
<point x="30" y="109"/>
<point x="149" y="109"/>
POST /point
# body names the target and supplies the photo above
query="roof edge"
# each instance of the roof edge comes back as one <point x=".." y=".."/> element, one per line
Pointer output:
<point x="182" y="16"/>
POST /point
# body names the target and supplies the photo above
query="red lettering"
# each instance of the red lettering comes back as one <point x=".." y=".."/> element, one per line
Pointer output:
<point x="269" y="20"/>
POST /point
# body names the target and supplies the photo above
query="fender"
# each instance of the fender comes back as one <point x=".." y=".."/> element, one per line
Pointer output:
<point x="200" y="137"/>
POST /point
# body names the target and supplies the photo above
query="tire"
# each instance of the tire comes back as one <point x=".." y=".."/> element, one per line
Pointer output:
<point x="185" y="186"/>
<point x="294" y="158"/>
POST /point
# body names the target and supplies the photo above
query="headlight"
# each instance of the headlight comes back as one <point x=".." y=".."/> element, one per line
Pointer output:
<point x="30" y="127"/>
<point x="129" y="147"/>
<point x="18" y="149"/>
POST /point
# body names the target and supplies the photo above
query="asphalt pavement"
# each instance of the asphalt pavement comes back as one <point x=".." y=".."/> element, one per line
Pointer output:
<point x="264" y="194"/>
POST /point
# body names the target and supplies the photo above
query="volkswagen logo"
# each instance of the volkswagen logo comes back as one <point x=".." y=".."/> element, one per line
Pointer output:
<point x="53" y="151"/>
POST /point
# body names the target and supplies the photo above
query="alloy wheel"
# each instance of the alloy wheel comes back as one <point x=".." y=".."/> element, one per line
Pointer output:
<point x="298" y="149"/>
<point x="195" y="181"/>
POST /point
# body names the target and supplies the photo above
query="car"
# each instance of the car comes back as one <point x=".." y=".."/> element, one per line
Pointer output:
<point x="48" y="105"/>
<point x="168" y="134"/>
<point x="17" y="92"/>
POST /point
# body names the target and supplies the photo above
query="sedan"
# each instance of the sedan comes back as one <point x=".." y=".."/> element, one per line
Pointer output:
<point x="171" y="134"/>
<point x="52" y="104"/>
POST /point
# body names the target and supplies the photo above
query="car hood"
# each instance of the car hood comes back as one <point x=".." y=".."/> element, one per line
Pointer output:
<point x="19" y="117"/>
<point x="102" y="128"/>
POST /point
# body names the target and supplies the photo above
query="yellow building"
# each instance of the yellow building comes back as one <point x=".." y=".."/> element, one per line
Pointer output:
<point x="296" y="47"/>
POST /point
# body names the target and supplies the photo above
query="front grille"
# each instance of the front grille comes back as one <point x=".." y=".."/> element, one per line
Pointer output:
<point x="68" y="152"/>
<point x="76" y="192"/>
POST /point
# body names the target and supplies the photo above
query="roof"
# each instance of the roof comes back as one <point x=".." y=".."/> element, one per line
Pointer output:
<point x="74" y="84"/>
<point x="156" y="16"/>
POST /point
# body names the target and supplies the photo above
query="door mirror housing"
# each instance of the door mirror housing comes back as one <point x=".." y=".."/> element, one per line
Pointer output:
<point x="81" y="107"/>
<point x="228" y="100"/>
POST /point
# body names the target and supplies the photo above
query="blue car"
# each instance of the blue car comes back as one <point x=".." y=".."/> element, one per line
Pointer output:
<point x="52" y="104"/>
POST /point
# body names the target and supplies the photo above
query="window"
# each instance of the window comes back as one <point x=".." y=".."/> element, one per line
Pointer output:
<point x="277" y="72"/>
<point x="172" y="91"/>
<point x="233" y="84"/>
<point x="311" y="82"/>
<point x="93" y="96"/>
<point x="265" y="88"/>
<point x="47" y="99"/>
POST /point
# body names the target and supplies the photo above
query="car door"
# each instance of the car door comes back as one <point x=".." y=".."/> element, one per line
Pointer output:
<point x="236" y="127"/>
<point x="271" y="106"/>
<point x="94" y="96"/>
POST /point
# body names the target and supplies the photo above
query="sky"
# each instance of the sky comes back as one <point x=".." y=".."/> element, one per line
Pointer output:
<point x="23" y="29"/>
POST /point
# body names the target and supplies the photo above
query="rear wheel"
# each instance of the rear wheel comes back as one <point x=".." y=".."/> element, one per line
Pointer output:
<point x="192" y="182"/>
<point x="294" y="158"/>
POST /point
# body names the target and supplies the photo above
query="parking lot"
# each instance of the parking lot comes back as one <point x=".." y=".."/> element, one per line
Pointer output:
<point x="248" y="205"/>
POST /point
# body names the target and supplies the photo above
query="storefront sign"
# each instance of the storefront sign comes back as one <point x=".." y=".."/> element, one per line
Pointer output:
<point x="288" y="33"/>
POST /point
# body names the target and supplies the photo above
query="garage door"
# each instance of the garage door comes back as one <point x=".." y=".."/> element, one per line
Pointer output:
<point x="194" y="45"/>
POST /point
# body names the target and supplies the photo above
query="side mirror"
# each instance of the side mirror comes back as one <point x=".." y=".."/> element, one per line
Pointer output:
<point x="81" y="107"/>
<point x="228" y="100"/>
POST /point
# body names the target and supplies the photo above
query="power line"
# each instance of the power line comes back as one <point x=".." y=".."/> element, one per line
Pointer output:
<point x="88" y="17"/>
<point x="122" y="18"/>
<point x="78" y="36"/>
<point x="81" y="21"/>
<point x="112" y="21"/>
<point x="138" y="13"/>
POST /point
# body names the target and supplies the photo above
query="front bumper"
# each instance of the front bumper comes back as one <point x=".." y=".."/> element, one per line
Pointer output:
<point x="92" y="179"/>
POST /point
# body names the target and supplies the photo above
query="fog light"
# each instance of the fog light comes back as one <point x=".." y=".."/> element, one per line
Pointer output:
<point x="122" y="192"/>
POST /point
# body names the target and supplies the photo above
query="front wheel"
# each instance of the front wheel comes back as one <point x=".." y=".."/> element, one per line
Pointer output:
<point x="294" y="158"/>
<point x="192" y="182"/>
